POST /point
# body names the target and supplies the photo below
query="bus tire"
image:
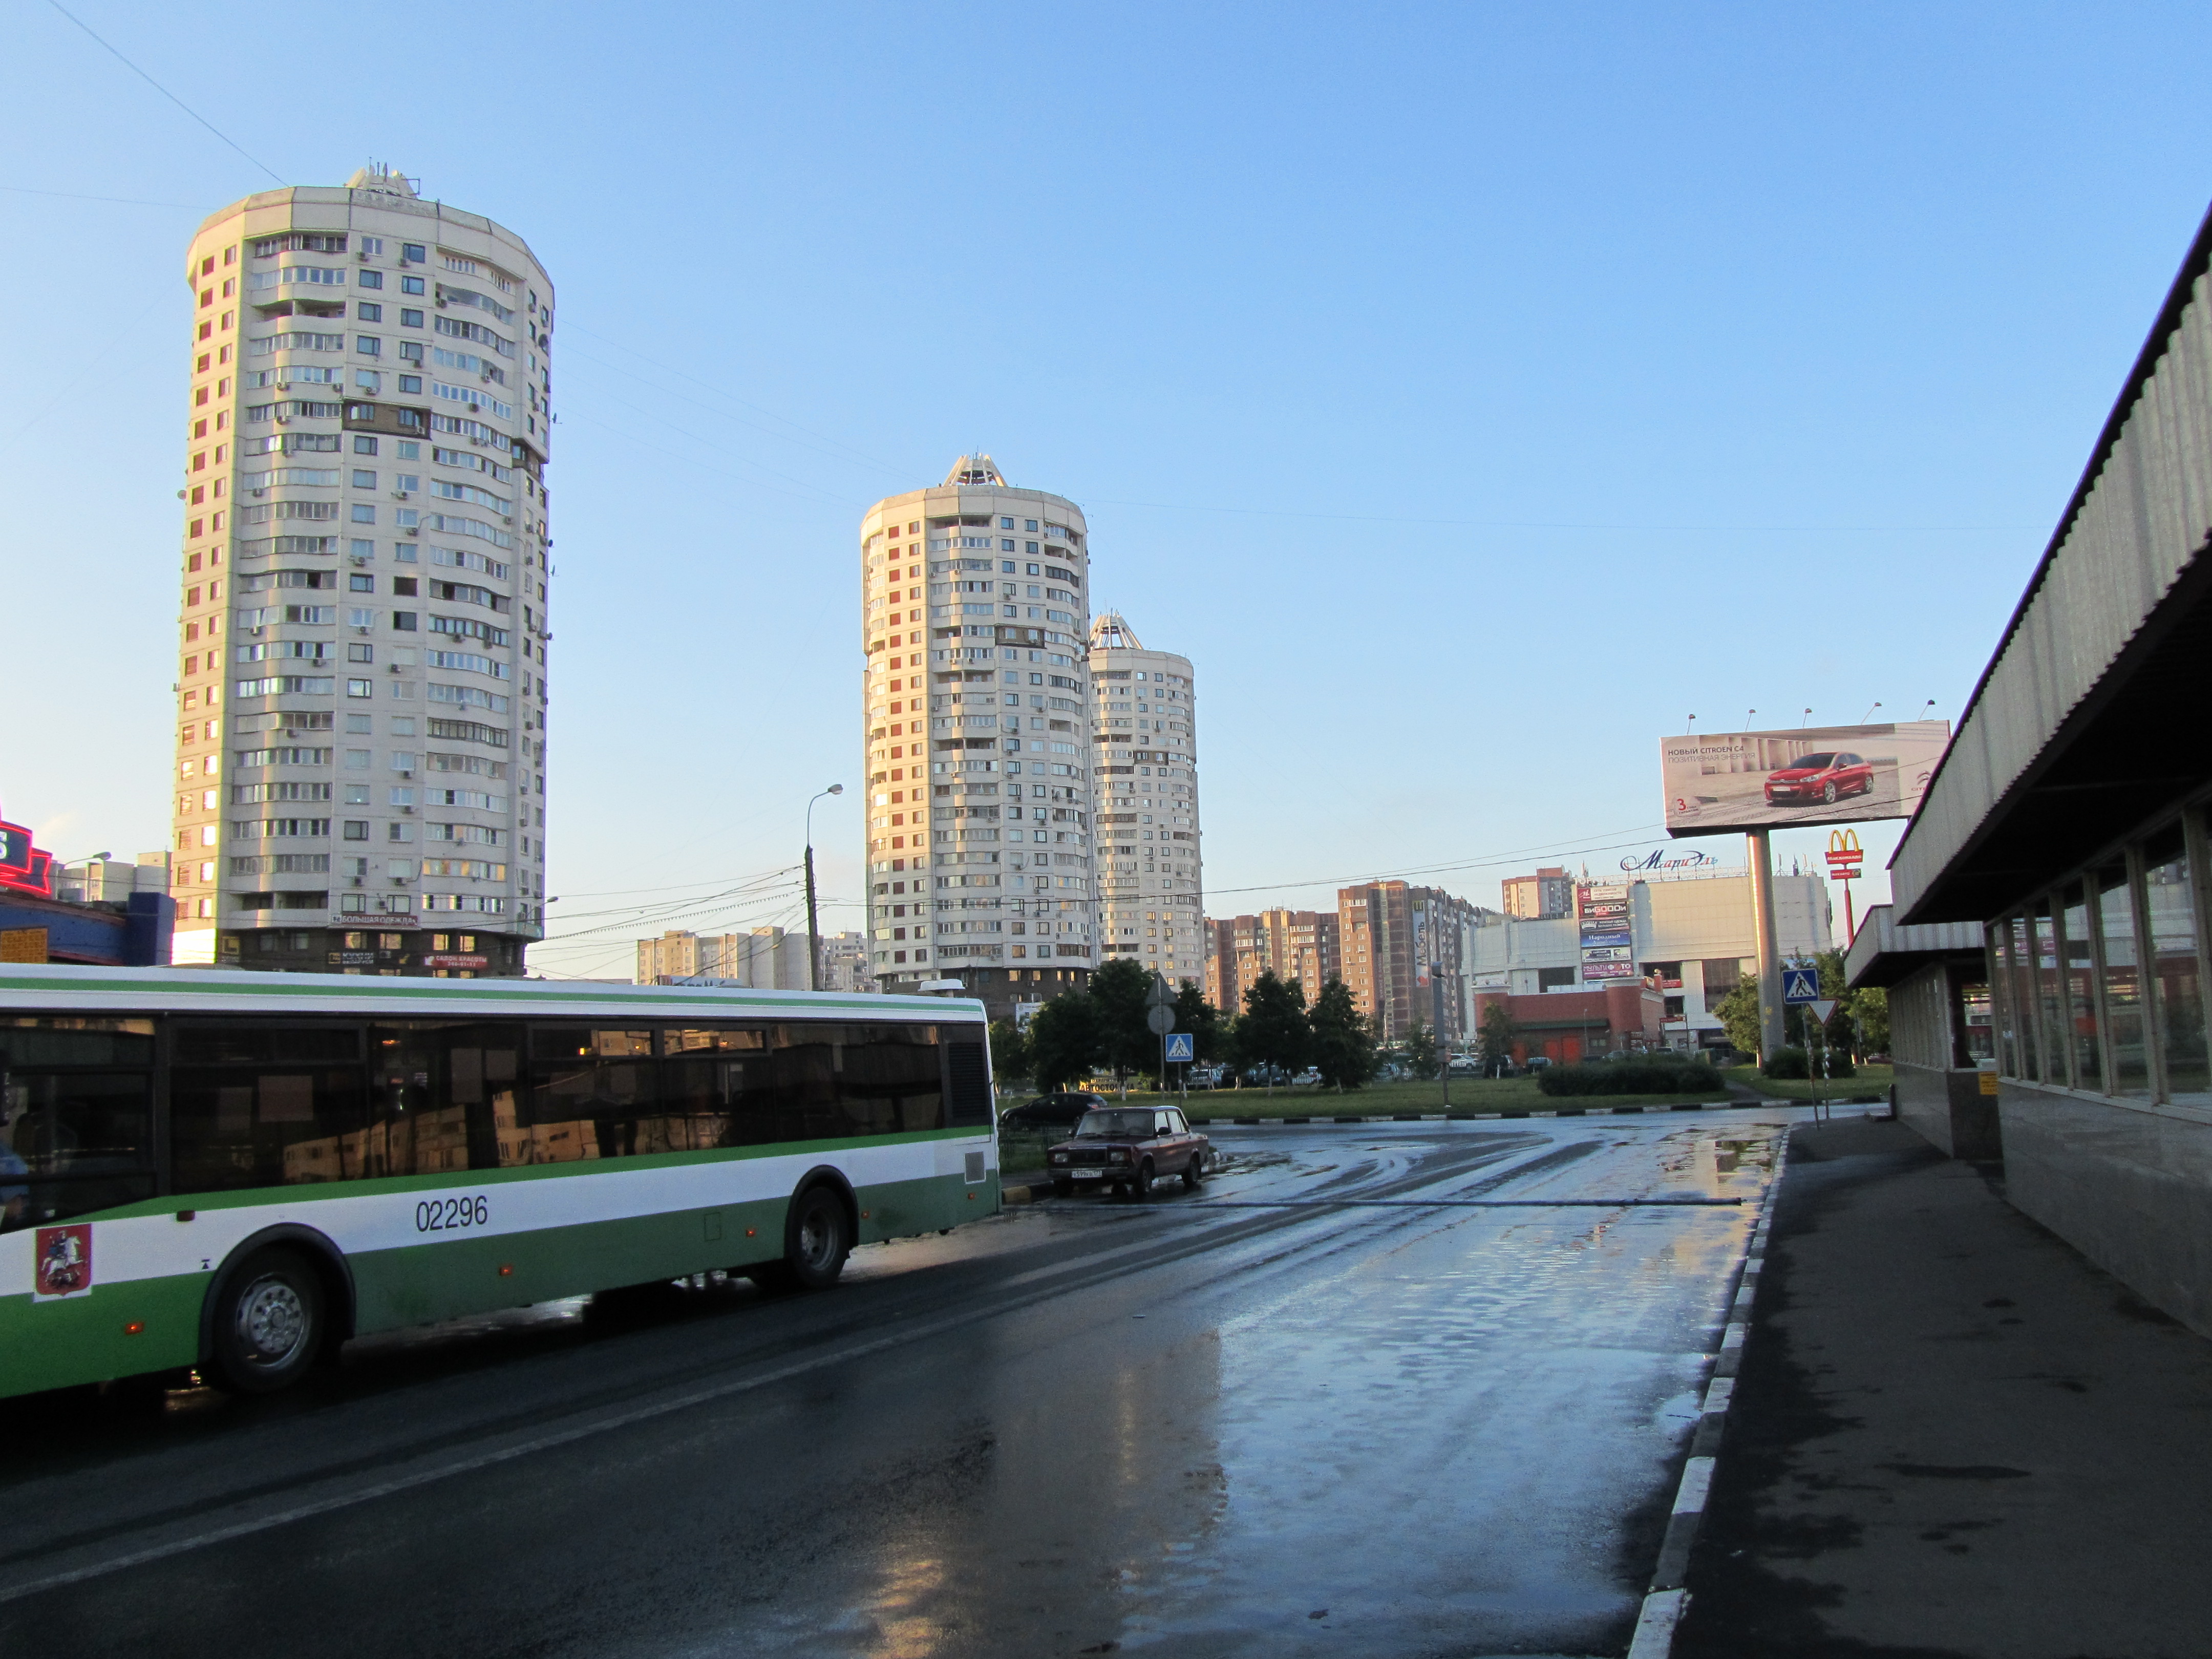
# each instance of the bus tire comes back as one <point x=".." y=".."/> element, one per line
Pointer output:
<point x="270" y="1325"/>
<point x="817" y="1237"/>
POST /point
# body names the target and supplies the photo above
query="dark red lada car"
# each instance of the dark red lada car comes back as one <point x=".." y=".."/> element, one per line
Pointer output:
<point x="1823" y="777"/>
<point x="1128" y="1148"/>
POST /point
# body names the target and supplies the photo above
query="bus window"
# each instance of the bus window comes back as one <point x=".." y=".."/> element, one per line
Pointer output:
<point x="803" y="1071"/>
<point x="593" y="1094"/>
<point x="73" y="1138"/>
<point x="265" y="1105"/>
<point x="889" y="1081"/>
<point x="715" y="1087"/>
<point x="442" y="1097"/>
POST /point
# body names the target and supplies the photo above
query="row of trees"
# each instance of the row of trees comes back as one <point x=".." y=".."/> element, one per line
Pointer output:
<point x="1080" y="1033"/>
<point x="1858" y="1027"/>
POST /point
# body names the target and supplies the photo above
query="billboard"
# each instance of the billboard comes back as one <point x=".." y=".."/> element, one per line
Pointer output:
<point x="1607" y="937"/>
<point x="1722" y="780"/>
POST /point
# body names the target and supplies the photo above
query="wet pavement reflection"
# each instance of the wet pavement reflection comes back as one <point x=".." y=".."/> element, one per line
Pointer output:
<point x="1400" y="1389"/>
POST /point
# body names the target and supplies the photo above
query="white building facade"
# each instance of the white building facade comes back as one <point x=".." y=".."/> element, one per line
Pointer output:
<point x="362" y="699"/>
<point x="977" y="739"/>
<point x="1693" y="933"/>
<point x="1150" y="885"/>
<point x="765" y="958"/>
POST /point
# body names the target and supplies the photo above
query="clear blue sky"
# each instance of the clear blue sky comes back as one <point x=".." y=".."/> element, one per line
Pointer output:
<point x="1473" y="393"/>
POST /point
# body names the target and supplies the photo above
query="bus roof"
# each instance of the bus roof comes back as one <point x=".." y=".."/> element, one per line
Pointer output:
<point x="32" y="988"/>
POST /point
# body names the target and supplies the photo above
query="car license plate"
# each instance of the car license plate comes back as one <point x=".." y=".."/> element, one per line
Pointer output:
<point x="1087" y="1175"/>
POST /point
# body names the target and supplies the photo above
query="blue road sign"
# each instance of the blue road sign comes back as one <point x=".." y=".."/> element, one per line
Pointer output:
<point x="1180" y="1046"/>
<point x="1800" y="985"/>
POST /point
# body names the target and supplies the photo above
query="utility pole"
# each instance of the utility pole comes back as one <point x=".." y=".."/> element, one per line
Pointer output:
<point x="813" y="929"/>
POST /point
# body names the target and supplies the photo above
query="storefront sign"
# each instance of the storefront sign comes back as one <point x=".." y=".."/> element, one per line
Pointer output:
<point x="1607" y="939"/>
<point x="445" y="960"/>
<point x="24" y="868"/>
<point x="1659" y="859"/>
<point x="1843" y="855"/>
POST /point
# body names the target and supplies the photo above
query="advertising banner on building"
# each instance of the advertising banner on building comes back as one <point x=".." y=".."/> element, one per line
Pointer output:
<point x="1722" y="780"/>
<point x="1609" y="945"/>
<point x="1421" y="946"/>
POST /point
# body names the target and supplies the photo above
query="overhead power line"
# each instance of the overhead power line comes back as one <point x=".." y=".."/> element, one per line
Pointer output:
<point x="167" y="94"/>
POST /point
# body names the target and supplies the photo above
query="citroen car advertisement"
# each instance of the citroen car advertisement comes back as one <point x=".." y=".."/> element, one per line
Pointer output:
<point x="1722" y="780"/>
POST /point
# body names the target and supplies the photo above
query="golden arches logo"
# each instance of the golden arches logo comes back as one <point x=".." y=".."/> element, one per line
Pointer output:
<point x="1843" y="840"/>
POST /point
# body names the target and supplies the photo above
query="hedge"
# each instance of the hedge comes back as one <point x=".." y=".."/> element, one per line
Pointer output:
<point x="1632" y="1077"/>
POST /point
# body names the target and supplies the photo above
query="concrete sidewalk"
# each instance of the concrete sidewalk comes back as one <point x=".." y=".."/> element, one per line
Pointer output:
<point x="1951" y="1434"/>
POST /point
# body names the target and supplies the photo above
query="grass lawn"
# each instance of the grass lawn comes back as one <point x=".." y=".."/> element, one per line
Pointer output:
<point x="1870" y="1082"/>
<point x="1512" y="1094"/>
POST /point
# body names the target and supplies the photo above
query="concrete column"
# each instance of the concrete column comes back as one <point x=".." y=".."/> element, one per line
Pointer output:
<point x="1770" y="956"/>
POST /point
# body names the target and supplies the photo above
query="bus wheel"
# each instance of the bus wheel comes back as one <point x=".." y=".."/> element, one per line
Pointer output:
<point x="816" y="1240"/>
<point x="269" y="1325"/>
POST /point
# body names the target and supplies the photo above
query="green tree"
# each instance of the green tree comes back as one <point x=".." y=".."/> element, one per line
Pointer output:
<point x="1343" y="1047"/>
<point x="1494" y="1043"/>
<point x="1738" y="1015"/>
<point x="1064" y="1040"/>
<point x="1274" y="1030"/>
<point x="1421" y="1053"/>
<point x="1010" y="1051"/>
<point x="1209" y="1032"/>
<point x="1118" y="991"/>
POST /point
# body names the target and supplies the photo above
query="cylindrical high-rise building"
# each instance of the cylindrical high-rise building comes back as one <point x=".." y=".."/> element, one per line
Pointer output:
<point x="978" y="739"/>
<point x="361" y="746"/>
<point x="1151" y="892"/>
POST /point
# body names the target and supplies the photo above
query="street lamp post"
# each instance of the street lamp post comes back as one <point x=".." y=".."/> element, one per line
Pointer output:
<point x="813" y="933"/>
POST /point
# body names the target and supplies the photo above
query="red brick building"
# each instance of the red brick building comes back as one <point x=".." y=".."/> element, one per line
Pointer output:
<point x="1566" y="1027"/>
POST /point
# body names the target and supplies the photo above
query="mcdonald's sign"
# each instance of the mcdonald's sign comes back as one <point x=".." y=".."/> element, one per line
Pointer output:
<point x="1843" y="854"/>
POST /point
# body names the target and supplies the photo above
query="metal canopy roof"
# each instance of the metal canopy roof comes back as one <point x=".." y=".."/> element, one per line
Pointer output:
<point x="2089" y="717"/>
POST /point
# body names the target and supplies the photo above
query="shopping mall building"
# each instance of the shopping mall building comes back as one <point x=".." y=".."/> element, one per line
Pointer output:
<point x="2054" y="879"/>
<point x="1685" y="938"/>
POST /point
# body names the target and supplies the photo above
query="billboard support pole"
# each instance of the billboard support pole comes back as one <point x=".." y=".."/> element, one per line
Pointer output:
<point x="1770" y="962"/>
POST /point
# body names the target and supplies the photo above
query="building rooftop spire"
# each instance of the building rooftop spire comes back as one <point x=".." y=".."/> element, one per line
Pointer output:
<point x="1110" y="631"/>
<point x="974" y="470"/>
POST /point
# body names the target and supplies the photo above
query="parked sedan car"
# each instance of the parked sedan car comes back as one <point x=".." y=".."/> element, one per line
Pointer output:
<point x="1128" y="1148"/>
<point x="1822" y="777"/>
<point x="1060" y="1110"/>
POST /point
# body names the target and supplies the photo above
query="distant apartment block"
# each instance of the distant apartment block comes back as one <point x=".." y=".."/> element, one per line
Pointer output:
<point x="1547" y="894"/>
<point x="766" y="958"/>
<point x="1294" y="944"/>
<point x="1395" y="938"/>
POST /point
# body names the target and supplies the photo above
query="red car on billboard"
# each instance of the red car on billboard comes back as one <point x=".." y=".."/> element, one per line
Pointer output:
<point x="1825" y="777"/>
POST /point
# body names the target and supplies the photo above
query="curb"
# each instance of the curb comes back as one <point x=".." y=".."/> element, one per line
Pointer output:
<point x="1667" y="1600"/>
<point x="1456" y="1116"/>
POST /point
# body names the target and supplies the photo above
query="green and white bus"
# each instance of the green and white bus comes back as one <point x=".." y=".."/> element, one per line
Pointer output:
<point x="235" y="1172"/>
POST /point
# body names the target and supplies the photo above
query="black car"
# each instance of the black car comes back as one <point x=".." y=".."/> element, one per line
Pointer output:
<point x="1060" y="1110"/>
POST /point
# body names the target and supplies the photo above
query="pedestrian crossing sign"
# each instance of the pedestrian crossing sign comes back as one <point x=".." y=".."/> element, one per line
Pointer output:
<point x="1180" y="1046"/>
<point x="1799" y="985"/>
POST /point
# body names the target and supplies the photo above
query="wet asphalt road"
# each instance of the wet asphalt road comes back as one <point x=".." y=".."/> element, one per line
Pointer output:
<point x="1260" y="1420"/>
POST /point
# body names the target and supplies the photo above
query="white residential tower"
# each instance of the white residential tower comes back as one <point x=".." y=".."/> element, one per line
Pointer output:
<point x="362" y="703"/>
<point x="978" y="739"/>
<point x="1152" y="893"/>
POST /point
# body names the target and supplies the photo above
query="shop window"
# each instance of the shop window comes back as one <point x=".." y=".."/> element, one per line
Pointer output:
<point x="2170" y="906"/>
<point x="2124" y="1008"/>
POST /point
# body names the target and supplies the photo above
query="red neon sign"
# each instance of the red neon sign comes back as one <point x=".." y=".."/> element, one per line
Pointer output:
<point x="24" y="868"/>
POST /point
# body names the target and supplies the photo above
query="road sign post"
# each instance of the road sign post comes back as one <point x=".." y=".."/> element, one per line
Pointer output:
<point x="1159" y="1017"/>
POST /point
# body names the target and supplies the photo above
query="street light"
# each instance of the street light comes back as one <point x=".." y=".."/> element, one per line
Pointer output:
<point x="813" y="937"/>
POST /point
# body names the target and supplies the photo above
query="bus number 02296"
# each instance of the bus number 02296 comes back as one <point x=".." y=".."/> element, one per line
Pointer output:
<point x="441" y="1215"/>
